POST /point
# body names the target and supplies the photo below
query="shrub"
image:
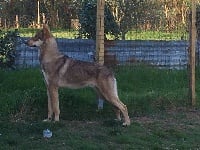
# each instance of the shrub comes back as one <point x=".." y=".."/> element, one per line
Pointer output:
<point x="8" y="42"/>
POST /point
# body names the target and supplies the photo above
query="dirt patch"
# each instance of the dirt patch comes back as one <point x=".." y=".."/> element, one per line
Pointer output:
<point x="180" y="119"/>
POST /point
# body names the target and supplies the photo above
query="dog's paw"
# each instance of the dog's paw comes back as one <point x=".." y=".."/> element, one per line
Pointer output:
<point x="47" y="120"/>
<point x="118" y="119"/>
<point x="125" y="124"/>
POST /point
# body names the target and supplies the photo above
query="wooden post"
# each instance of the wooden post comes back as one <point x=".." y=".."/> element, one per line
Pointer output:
<point x="100" y="39"/>
<point x="100" y="32"/>
<point x="38" y="13"/>
<point x="192" y="50"/>
<point x="17" y="21"/>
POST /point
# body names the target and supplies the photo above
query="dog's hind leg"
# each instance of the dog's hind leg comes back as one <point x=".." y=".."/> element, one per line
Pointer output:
<point x="118" y="113"/>
<point x="119" y="106"/>
<point x="101" y="99"/>
<point x="108" y="88"/>
<point x="54" y="102"/>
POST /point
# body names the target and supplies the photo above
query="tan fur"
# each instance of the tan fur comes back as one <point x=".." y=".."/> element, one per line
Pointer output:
<point x="61" y="71"/>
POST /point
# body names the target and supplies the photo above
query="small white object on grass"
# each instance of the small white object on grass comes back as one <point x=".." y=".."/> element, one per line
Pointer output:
<point x="47" y="133"/>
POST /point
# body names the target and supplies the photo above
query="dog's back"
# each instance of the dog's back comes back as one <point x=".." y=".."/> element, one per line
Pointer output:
<point x="76" y="73"/>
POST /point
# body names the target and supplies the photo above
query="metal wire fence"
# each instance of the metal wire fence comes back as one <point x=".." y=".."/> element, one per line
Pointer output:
<point x="163" y="54"/>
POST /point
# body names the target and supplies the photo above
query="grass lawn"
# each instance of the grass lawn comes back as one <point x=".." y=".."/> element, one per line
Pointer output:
<point x="131" y="35"/>
<point x="157" y="102"/>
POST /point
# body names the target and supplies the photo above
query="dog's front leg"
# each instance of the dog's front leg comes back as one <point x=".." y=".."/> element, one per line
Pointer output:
<point x="50" y="111"/>
<point x="53" y="102"/>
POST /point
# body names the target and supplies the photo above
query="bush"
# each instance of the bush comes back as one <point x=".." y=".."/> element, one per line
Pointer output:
<point x="87" y="18"/>
<point x="8" y="42"/>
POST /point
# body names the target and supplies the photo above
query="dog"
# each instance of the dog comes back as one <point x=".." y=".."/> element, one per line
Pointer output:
<point x="59" y="70"/>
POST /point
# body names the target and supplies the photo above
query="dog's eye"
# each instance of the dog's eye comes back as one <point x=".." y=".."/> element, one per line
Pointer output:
<point x="38" y="36"/>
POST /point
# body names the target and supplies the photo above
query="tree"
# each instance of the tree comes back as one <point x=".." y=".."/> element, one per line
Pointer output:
<point x="60" y="12"/>
<point x="52" y="10"/>
<point x="87" y="19"/>
<point x="128" y="14"/>
<point x="174" y="13"/>
<point x="135" y="14"/>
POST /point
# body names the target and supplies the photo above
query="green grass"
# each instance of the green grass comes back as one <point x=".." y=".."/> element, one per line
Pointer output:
<point x="131" y="35"/>
<point x="58" y="33"/>
<point x="157" y="102"/>
<point x="156" y="35"/>
<point x="148" y="89"/>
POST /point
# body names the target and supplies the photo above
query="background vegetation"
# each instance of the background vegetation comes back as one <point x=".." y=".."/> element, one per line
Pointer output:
<point x="87" y="18"/>
<point x="151" y="15"/>
<point x="8" y="41"/>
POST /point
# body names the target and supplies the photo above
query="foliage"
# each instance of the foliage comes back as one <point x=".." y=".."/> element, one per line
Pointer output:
<point x="129" y="14"/>
<point x="154" y="15"/>
<point x="8" y="42"/>
<point x="150" y="15"/>
<point x="59" y="12"/>
<point x="87" y="19"/>
<point x="130" y="35"/>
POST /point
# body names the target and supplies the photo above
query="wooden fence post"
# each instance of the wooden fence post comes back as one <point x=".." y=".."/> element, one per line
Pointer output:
<point x="192" y="50"/>
<point x="100" y="32"/>
<point x="38" y="14"/>
<point x="17" y="21"/>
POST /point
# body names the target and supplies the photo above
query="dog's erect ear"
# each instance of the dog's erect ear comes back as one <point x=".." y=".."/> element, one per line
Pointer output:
<point x="45" y="26"/>
<point x="46" y="32"/>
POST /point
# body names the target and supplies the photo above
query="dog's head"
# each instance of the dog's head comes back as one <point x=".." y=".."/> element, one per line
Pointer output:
<point x="40" y="37"/>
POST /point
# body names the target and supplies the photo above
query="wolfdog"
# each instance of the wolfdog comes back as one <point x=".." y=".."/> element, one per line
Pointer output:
<point x="60" y="70"/>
